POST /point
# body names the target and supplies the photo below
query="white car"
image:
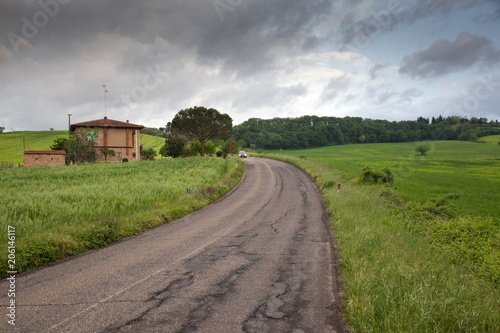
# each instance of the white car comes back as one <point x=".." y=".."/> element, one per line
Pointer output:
<point x="242" y="154"/>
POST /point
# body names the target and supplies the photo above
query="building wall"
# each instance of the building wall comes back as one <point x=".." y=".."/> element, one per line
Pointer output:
<point x="115" y="139"/>
<point x="50" y="158"/>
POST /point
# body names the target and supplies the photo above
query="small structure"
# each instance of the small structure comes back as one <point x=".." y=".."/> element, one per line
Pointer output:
<point x="121" y="137"/>
<point x="44" y="157"/>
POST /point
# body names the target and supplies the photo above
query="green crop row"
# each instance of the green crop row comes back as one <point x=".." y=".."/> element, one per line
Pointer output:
<point x="61" y="211"/>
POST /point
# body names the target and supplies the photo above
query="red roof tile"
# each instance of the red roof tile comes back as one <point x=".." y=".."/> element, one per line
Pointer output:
<point x="106" y="123"/>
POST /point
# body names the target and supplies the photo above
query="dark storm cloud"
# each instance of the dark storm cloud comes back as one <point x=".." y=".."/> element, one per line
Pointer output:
<point x="66" y="49"/>
<point x="357" y="31"/>
<point x="444" y="57"/>
<point x="248" y="33"/>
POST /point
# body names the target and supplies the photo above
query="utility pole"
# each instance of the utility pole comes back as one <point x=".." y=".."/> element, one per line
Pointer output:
<point x="69" y="138"/>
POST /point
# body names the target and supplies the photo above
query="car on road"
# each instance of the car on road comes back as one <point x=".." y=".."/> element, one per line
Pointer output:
<point x="242" y="154"/>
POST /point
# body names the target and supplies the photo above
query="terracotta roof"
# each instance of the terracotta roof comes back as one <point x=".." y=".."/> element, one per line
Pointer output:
<point x="106" y="123"/>
<point x="46" y="152"/>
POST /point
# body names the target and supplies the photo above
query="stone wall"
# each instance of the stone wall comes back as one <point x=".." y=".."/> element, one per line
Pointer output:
<point x="44" y="157"/>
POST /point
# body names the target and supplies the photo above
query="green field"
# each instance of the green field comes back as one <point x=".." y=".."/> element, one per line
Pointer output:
<point x="408" y="263"/>
<point x="471" y="169"/>
<point x="494" y="139"/>
<point x="11" y="143"/>
<point x="155" y="142"/>
<point x="60" y="211"/>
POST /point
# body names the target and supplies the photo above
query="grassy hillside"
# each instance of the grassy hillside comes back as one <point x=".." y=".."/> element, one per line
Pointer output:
<point x="155" y="142"/>
<point x="494" y="139"/>
<point x="471" y="169"/>
<point x="11" y="143"/>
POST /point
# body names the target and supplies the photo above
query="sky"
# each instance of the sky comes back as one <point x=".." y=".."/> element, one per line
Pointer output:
<point x="378" y="59"/>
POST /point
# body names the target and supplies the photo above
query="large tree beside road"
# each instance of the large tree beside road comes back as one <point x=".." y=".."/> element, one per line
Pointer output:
<point x="203" y="124"/>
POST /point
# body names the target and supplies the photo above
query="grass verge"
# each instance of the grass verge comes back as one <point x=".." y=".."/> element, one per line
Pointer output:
<point x="61" y="211"/>
<point x="395" y="279"/>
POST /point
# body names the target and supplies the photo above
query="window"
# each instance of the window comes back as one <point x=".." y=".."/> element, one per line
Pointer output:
<point x="91" y="135"/>
<point x="119" y="155"/>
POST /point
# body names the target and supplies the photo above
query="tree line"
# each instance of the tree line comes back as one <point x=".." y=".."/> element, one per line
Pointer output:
<point x="314" y="131"/>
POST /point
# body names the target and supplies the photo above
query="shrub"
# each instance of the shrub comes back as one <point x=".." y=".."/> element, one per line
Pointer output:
<point x="328" y="184"/>
<point x="383" y="176"/>
<point x="422" y="149"/>
<point x="148" y="152"/>
<point x="125" y="160"/>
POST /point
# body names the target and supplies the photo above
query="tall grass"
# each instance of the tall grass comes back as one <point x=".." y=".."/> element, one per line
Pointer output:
<point x="60" y="211"/>
<point x="396" y="280"/>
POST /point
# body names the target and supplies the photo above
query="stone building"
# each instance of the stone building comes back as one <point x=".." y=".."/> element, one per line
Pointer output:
<point x="121" y="137"/>
<point x="44" y="157"/>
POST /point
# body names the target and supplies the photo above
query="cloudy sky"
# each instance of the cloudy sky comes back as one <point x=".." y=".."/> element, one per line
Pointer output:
<point x="379" y="59"/>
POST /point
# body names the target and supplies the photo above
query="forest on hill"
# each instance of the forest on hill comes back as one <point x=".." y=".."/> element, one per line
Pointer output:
<point x="314" y="131"/>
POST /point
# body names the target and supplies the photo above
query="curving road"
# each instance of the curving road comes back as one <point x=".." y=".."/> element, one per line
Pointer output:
<point x="258" y="260"/>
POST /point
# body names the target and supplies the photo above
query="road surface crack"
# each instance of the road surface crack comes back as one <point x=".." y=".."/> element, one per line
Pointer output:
<point x="274" y="303"/>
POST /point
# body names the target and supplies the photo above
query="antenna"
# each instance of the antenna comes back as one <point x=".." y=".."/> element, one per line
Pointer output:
<point x="105" y="91"/>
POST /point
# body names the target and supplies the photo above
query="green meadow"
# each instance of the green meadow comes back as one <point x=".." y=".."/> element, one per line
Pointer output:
<point x="155" y="142"/>
<point x="60" y="211"/>
<point x="414" y="256"/>
<point x="11" y="143"/>
<point x="494" y="139"/>
<point x="449" y="167"/>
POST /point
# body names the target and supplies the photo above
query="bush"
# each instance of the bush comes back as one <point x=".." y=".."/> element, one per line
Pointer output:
<point x="422" y="149"/>
<point x="148" y="152"/>
<point x="329" y="184"/>
<point x="125" y="160"/>
<point x="369" y="176"/>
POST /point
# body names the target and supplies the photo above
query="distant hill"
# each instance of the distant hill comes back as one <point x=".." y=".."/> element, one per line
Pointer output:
<point x="11" y="143"/>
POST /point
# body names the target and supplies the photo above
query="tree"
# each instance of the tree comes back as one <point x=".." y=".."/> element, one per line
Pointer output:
<point x="148" y="153"/>
<point x="203" y="124"/>
<point x="422" y="149"/>
<point x="60" y="144"/>
<point x="82" y="147"/>
<point x="174" y="145"/>
<point x="105" y="151"/>
<point x="2" y="129"/>
<point x="230" y="146"/>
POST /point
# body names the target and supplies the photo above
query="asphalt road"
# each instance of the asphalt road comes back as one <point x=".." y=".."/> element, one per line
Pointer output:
<point x="258" y="260"/>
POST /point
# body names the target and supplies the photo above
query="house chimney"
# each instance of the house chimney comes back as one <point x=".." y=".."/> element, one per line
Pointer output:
<point x="127" y="121"/>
